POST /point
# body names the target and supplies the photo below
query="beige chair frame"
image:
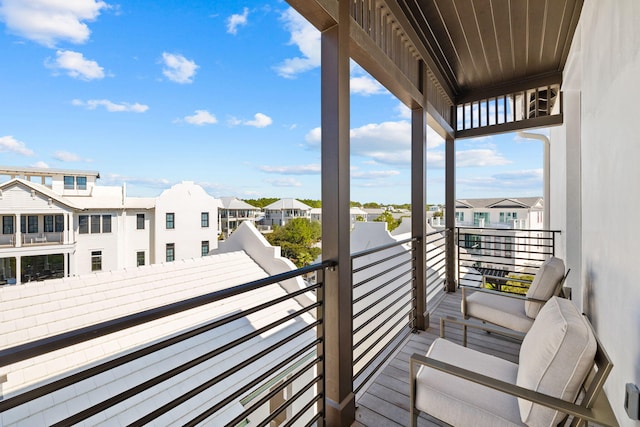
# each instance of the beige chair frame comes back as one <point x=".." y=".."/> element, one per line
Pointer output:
<point x="558" y="291"/>
<point x="594" y="406"/>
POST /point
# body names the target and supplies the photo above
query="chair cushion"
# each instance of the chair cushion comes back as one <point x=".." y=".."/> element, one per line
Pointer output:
<point x="544" y="284"/>
<point x="555" y="357"/>
<point x="498" y="309"/>
<point x="462" y="403"/>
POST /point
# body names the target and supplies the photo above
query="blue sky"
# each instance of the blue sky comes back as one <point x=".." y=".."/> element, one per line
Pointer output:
<point x="226" y="94"/>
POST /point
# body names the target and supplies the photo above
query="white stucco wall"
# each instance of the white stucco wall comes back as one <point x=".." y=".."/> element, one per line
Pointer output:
<point x="602" y="80"/>
<point x="187" y="201"/>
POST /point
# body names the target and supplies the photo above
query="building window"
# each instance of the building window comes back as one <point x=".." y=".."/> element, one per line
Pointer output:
<point x="48" y="223"/>
<point x="478" y="216"/>
<point x="23" y="224"/>
<point x="170" y="221"/>
<point x="7" y="225"/>
<point x="140" y="221"/>
<point x="32" y="224"/>
<point x="171" y="255"/>
<point x="83" y="224"/>
<point x="96" y="260"/>
<point x="204" y="219"/>
<point x="59" y="225"/>
<point x="106" y="223"/>
<point x="460" y="216"/>
<point x="95" y="224"/>
<point x="472" y="241"/>
<point x="81" y="182"/>
<point x="69" y="183"/>
<point x="140" y="258"/>
<point x="205" y="247"/>
<point x="508" y="216"/>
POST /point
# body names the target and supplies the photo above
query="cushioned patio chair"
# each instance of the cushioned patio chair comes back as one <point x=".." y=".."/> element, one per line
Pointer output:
<point x="514" y="311"/>
<point x="560" y="359"/>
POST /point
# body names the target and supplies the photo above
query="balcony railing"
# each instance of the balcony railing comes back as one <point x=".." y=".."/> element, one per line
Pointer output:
<point x="242" y="374"/>
<point x="256" y="372"/>
<point x="500" y="252"/>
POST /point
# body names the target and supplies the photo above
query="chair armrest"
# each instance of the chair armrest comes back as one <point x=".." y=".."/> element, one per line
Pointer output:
<point x="482" y="326"/>
<point x="596" y="414"/>
<point x="504" y="294"/>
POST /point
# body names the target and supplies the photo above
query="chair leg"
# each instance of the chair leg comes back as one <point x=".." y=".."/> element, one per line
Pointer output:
<point x="413" y="413"/>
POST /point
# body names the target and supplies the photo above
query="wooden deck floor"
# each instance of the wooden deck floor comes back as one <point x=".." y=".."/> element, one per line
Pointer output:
<point x="385" y="402"/>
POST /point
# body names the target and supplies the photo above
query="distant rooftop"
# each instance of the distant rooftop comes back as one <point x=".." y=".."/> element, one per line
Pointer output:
<point x="24" y="170"/>
<point x="235" y="203"/>
<point x="501" y="202"/>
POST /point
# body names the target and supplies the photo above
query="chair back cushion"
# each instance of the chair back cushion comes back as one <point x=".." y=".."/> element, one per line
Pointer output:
<point x="544" y="285"/>
<point x="555" y="357"/>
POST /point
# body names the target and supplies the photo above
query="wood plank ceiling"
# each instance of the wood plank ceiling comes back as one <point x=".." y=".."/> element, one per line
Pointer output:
<point x="490" y="47"/>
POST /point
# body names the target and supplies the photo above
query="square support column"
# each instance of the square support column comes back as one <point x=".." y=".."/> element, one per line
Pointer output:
<point x="418" y="214"/>
<point x="450" y="213"/>
<point x="338" y="321"/>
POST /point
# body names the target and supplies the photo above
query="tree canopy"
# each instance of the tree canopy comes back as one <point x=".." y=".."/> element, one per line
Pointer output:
<point x="296" y="240"/>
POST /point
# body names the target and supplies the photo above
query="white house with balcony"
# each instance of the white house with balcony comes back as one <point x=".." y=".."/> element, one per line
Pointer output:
<point x="282" y="211"/>
<point x="58" y="223"/>
<point x="517" y="213"/>
<point x="234" y="212"/>
<point x="356" y="214"/>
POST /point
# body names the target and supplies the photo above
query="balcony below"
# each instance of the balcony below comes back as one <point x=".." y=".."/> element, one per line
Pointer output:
<point x="385" y="401"/>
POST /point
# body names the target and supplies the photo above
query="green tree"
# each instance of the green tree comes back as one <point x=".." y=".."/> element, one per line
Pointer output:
<point x="312" y="203"/>
<point x="392" y="223"/>
<point x="261" y="202"/>
<point x="355" y="204"/>
<point x="371" y="205"/>
<point x="297" y="239"/>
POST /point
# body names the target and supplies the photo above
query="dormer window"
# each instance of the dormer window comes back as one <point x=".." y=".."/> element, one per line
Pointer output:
<point x="81" y="182"/>
<point x="69" y="183"/>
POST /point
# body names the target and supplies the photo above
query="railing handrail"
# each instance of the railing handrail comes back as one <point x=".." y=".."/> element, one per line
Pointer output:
<point x="509" y="229"/>
<point x="46" y="345"/>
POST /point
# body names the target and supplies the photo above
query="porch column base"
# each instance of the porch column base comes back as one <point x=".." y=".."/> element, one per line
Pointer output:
<point x="341" y="414"/>
<point x="422" y="321"/>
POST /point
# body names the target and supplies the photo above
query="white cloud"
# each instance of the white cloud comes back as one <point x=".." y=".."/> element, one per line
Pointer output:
<point x="386" y="142"/>
<point x="49" y="21"/>
<point x="311" y="169"/>
<point x="157" y="183"/>
<point x="307" y="38"/>
<point x="404" y="112"/>
<point x="259" y="121"/>
<point x="66" y="156"/>
<point x="522" y="182"/>
<point x="40" y="164"/>
<point x="365" y="85"/>
<point x="374" y="174"/>
<point x="75" y="65"/>
<point x="480" y="157"/>
<point x="111" y="107"/>
<point x="8" y="144"/>
<point x="237" y="20"/>
<point x="284" y="182"/>
<point x="200" y="118"/>
<point x="177" y="68"/>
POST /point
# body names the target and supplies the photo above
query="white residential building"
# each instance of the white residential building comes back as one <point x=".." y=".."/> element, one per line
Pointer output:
<point x="518" y="213"/>
<point x="58" y="223"/>
<point x="234" y="212"/>
<point x="284" y="210"/>
<point x="355" y="214"/>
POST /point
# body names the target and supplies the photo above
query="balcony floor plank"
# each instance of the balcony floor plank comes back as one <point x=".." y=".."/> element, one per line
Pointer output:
<point x="385" y="401"/>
